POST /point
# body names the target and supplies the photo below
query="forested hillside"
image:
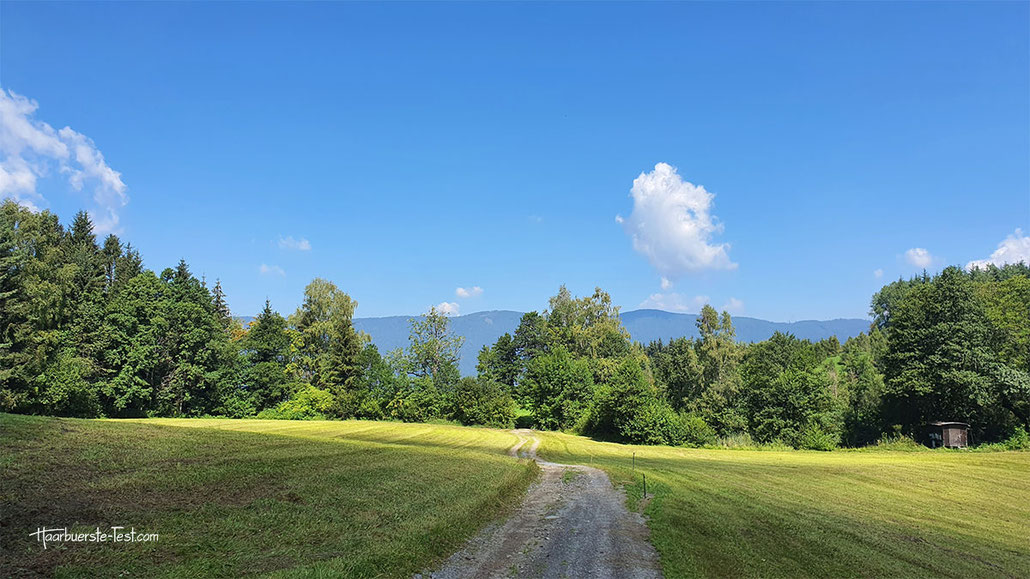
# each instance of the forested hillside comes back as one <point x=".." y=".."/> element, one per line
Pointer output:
<point x="87" y="330"/>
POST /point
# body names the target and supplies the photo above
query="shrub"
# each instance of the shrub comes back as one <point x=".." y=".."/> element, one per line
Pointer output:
<point x="815" y="437"/>
<point x="239" y="404"/>
<point x="1019" y="440"/>
<point x="736" y="440"/>
<point x="696" y="432"/>
<point x="420" y="403"/>
<point x="370" y="409"/>
<point x="898" y="442"/>
<point x="655" y="422"/>
<point x="485" y="402"/>
<point x="558" y="388"/>
<point x="308" y="403"/>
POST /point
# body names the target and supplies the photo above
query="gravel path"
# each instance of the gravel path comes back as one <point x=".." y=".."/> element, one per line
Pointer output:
<point x="572" y="523"/>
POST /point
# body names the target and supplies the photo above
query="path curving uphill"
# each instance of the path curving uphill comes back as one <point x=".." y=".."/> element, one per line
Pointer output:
<point x="572" y="523"/>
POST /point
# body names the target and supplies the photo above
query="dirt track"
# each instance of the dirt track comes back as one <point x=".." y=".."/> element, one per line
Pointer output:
<point x="572" y="523"/>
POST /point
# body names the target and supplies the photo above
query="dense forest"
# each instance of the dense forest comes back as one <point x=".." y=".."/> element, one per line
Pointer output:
<point x="86" y="330"/>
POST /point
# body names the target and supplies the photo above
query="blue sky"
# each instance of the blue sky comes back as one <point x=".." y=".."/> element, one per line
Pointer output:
<point x="420" y="148"/>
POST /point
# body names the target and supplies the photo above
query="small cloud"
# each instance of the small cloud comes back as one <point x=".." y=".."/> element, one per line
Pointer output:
<point x="474" y="291"/>
<point x="674" y="302"/>
<point x="878" y="273"/>
<point x="536" y="219"/>
<point x="919" y="257"/>
<point x="733" y="306"/>
<point x="32" y="150"/>
<point x="447" y="308"/>
<point x="1013" y="249"/>
<point x="672" y="224"/>
<point x="666" y="284"/>
<point x="289" y="242"/>
<point x="270" y="270"/>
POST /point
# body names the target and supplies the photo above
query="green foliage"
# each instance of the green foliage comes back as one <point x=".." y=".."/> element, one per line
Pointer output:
<point x="306" y="403"/>
<point x="898" y="442"/>
<point x="1019" y="440"/>
<point x="626" y="408"/>
<point x="696" y="432"/>
<point x="816" y="437"/>
<point x="483" y="401"/>
<point x="501" y="362"/>
<point x="434" y="349"/>
<point x="558" y="388"/>
<point x="587" y="327"/>
<point x="788" y="405"/>
<point x="420" y="401"/>
<point x="327" y="349"/>
<point x="944" y="361"/>
<point x="85" y="330"/>
<point x="678" y="369"/>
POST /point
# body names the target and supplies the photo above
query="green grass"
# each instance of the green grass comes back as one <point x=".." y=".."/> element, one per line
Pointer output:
<point x="243" y="497"/>
<point x="833" y="514"/>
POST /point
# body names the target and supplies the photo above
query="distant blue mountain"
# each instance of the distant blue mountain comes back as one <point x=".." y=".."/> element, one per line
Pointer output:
<point x="483" y="328"/>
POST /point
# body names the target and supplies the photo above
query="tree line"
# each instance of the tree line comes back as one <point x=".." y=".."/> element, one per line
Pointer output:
<point x="86" y="330"/>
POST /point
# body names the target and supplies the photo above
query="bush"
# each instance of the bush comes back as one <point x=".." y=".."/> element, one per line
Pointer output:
<point x="815" y="437"/>
<point x="696" y="432"/>
<point x="309" y="403"/>
<point x="370" y="409"/>
<point x="485" y="402"/>
<point x="628" y="409"/>
<point x="736" y="440"/>
<point x="655" y="422"/>
<point x="239" y="404"/>
<point x="898" y="442"/>
<point x="420" y="403"/>
<point x="1019" y="440"/>
<point x="558" y="388"/>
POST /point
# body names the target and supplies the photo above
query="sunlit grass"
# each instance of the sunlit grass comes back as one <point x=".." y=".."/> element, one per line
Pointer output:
<point x="795" y="513"/>
<point x="232" y="498"/>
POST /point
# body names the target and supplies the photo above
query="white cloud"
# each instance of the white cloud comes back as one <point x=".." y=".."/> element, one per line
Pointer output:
<point x="1014" y="249"/>
<point x="32" y="150"/>
<point x="878" y="273"/>
<point x="271" y="270"/>
<point x="733" y="306"/>
<point x="289" y="242"/>
<point x="447" y="308"/>
<point x="472" y="292"/>
<point x="672" y="225"/>
<point x="919" y="257"/>
<point x="666" y="284"/>
<point x="674" y="302"/>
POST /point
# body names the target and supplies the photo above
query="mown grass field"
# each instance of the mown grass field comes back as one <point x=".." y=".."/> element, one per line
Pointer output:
<point x="359" y="499"/>
<point x="832" y="514"/>
<point x="248" y="497"/>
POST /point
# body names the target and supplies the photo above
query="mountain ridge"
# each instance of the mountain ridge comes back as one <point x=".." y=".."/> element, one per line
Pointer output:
<point x="645" y="325"/>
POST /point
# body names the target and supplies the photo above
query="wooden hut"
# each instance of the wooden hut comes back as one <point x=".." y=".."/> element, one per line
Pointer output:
<point x="948" y="435"/>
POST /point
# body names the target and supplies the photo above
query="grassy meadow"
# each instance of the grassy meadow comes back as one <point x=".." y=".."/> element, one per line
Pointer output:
<point x="231" y="498"/>
<point x="875" y="513"/>
<point x="312" y="498"/>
